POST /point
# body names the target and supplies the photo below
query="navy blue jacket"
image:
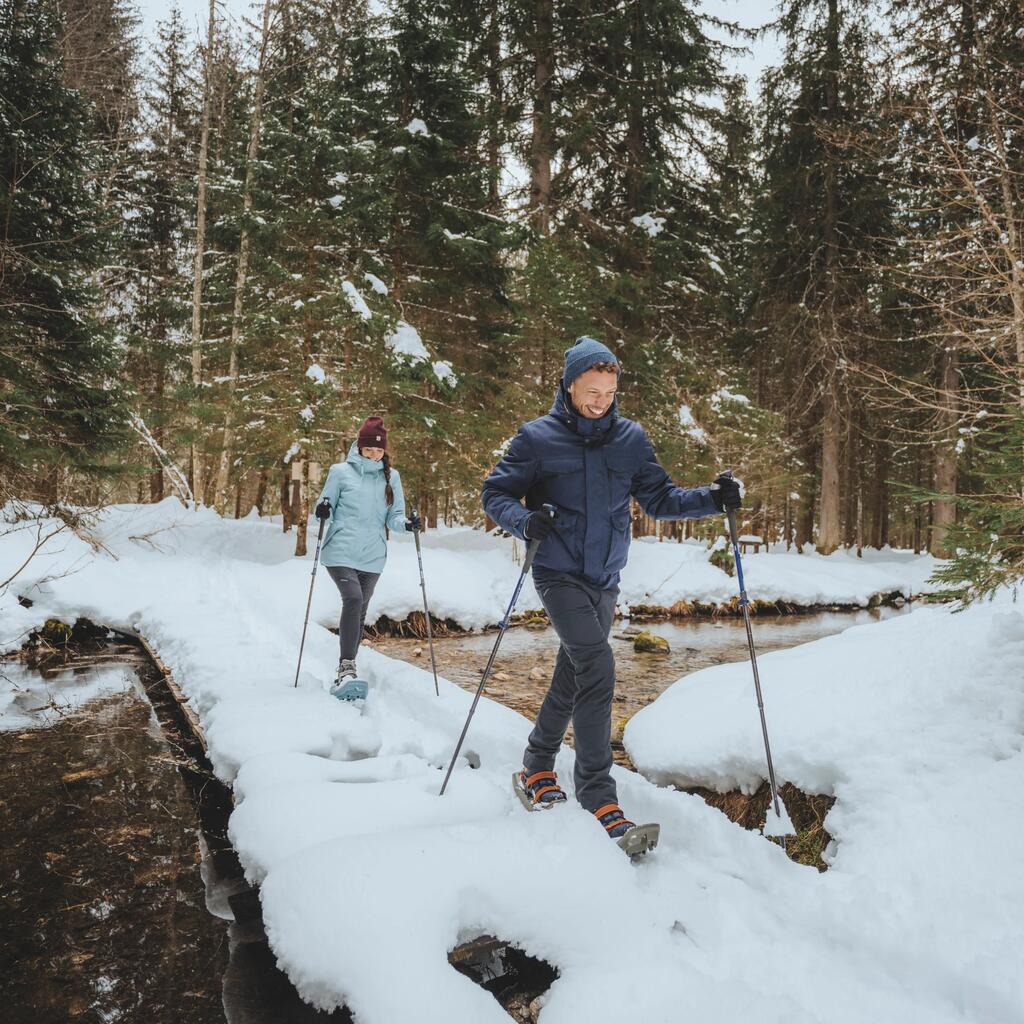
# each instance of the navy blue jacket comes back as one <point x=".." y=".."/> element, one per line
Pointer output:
<point x="589" y="470"/>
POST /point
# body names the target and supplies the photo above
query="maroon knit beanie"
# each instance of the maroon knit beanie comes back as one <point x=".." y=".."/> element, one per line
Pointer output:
<point x="372" y="434"/>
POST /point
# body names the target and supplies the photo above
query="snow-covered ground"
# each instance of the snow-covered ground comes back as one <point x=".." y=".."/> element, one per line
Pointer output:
<point x="368" y="877"/>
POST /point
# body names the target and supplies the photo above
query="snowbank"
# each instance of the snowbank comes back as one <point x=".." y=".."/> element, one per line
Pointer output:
<point x="915" y="726"/>
<point x="368" y="878"/>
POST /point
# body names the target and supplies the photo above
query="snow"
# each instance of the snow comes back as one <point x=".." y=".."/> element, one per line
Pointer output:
<point x="376" y="283"/>
<point x="417" y="127"/>
<point x="316" y="373"/>
<point x="355" y="300"/>
<point x="725" y="395"/>
<point x="689" y="425"/>
<point x="368" y="878"/>
<point x="914" y="725"/>
<point x="649" y="223"/>
<point x="405" y="340"/>
<point x="293" y="450"/>
<point x="444" y="373"/>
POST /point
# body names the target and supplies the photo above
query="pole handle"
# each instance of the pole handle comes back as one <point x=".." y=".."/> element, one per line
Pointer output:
<point x="531" y="549"/>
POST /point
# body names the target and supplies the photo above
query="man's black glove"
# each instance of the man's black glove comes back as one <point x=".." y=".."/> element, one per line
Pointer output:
<point x="413" y="523"/>
<point x="727" y="492"/>
<point x="538" y="525"/>
<point x="323" y="510"/>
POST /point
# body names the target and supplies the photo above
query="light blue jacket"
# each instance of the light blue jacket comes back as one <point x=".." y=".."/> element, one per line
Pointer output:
<point x="359" y="513"/>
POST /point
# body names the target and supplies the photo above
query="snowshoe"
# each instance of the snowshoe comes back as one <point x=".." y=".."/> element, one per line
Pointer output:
<point x="635" y="840"/>
<point x="539" y="791"/>
<point x="350" y="689"/>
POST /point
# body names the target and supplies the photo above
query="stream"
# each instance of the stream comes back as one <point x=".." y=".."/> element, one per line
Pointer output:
<point x="115" y="903"/>
<point x="526" y="657"/>
<point x="120" y="899"/>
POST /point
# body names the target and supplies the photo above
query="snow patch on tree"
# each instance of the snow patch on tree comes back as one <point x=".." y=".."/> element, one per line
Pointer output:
<point x="725" y="395"/>
<point x="355" y="300"/>
<point x="406" y="341"/>
<point x="690" y="427"/>
<point x="417" y="127"/>
<point x="291" y="453"/>
<point x="444" y="373"/>
<point x="649" y="223"/>
<point x="316" y="374"/>
<point x="376" y="283"/>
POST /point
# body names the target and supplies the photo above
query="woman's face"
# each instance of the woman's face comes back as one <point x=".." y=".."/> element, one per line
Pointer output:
<point x="374" y="454"/>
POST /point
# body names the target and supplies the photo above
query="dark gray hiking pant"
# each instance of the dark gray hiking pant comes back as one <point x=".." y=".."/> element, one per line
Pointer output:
<point x="581" y="688"/>
<point x="356" y="589"/>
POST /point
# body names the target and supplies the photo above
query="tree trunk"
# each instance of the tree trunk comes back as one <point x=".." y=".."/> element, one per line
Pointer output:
<point x="805" y="517"/>
<point x="197" y="270"/>
<point x="635" y="110"/>
<point x="542" y="142"/>
<point x="829" y="523"/>
<point x="261" y="491"/>
<point x="880" y="496"/>
<point x="286" y="509"/>
<point x="243" y="261"/>
<point x="831" y="427"/>
<point x="944" y="508"/>
<point x="496" y="107"/>
<point x="301" y="507"/>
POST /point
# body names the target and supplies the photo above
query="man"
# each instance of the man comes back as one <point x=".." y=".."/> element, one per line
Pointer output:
<point x="588" y="462"/>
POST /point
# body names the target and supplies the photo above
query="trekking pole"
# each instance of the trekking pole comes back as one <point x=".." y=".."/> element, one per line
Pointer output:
<point x="426" y="610"/>
<point x="730" y="515"/>
<point x="502" y="626"/>
<point x="305" y="621"/>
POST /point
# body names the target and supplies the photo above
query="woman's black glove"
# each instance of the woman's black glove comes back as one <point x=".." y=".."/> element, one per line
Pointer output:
<point x="727" y="492"/>
<point x="538" y="525"/>
<point x="413" y="523"/>
<point x="323" y="510"/>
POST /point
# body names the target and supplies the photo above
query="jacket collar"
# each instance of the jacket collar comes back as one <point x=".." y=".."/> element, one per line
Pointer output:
<point x="361" y="462"/>
<point x="590" y="431"/>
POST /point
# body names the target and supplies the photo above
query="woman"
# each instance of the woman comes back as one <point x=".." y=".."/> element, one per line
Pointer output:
<point x="361" y="498"/>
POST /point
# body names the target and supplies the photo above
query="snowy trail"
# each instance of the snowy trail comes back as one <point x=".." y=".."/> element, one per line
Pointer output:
<point x="368" y="878"/>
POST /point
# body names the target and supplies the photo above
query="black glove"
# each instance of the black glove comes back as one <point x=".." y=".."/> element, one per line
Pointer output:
<point x="538" y="525"/>
<point x="413" y="523"/>
<point x="726" y="492"/>
<point x="323" y="510"/>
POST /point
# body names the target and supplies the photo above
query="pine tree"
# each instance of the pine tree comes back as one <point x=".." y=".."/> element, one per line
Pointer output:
<point x="61" y="405"/>
<point x="158" y="235"/>
<point x="823" y="214"/>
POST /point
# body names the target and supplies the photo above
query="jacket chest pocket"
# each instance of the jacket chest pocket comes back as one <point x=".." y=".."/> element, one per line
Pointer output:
<point x="562" y="479"/>
<point x="620" y="480"/>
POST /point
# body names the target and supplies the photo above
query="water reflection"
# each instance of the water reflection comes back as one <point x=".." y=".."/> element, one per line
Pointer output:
<point x="103" y="905"/>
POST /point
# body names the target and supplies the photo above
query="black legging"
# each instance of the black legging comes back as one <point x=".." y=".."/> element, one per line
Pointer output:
<point x="356" y="588"/>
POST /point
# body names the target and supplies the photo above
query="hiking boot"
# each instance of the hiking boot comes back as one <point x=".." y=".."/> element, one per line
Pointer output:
<point x="539" y="791"/>
<point x="615" y="823"/>
<point x="346" y="670"/>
